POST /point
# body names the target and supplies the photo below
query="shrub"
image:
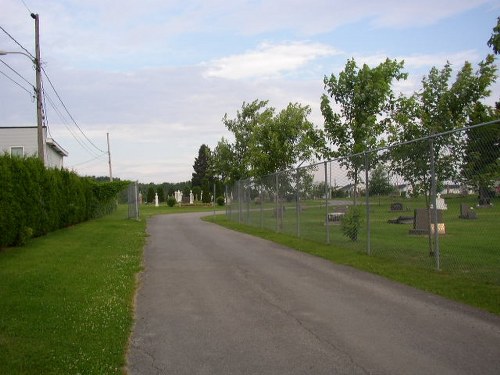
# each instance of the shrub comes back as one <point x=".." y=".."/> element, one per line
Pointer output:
<point x="351" y="223"/>
<point x="220" y="200"/>
<point x="36" y="200"/>
<point x="171" y="201"/>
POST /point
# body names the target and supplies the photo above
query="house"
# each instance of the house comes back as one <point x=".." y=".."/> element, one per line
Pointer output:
<point x="23" y="141"/>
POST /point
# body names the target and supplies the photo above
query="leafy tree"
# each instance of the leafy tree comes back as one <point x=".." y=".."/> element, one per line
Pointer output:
<point x="243" y="127"/>
<point x="364" y="96"/>
<point x="266" y="142"/>
<point x="437" y="108"/>
<point x="494" y="41"/>
<point x="379" y="182"/>
<point x="282" y="140"/>
<point x="223" y="162"/>
<point x="481" y="166"/>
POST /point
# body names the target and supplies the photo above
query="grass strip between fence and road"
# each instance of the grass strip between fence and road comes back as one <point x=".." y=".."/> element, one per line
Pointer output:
<point x="485" y="296"/>
<point x="67" y="299"/>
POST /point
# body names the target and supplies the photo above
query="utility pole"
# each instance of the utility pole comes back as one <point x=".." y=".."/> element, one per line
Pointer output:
<point x="39" y="111"/>
<point x="109" y="158"/>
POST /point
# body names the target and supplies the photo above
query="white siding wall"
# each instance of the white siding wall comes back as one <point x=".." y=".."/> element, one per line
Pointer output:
<point x="27" y="137"/>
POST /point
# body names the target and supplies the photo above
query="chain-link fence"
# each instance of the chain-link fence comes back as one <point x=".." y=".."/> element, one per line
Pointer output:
<point x="431" y="202"/>
<point x="133" y="200"/>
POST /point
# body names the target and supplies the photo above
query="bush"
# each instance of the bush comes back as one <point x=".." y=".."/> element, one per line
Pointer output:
<point x="220" y="200"/>
<point x="36" y="200"/>
<point x="171" y="201"/>
<point x="351" y="223"/>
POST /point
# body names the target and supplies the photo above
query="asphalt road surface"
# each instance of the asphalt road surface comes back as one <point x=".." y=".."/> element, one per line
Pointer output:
<point x="214" y="301"/>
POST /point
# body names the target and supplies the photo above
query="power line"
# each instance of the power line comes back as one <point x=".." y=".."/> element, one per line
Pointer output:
<point x="88" y="161"/>
<point x="19" y="74"/>
<point x="69" y="114"/>
<point x="65" y="122"/>
<point x="18" y="84"/>
<point x="15" y="41"/>
<point x="28" y="9"/>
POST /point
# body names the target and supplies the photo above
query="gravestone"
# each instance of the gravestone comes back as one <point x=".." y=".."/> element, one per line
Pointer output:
<point x="402" y="220"/>
<point x="397" y="206"/>
<point x="440" y="203"/>
<point x="337" y="214"/>
<point x="467" y="212"/>
<point x="156" y="200"/>
<point x="191" y="197"/>
<point x="421" y="222"/>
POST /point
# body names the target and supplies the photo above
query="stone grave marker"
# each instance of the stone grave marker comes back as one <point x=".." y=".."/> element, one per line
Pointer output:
<point x="397" y="206"/>
<point x="467" y="212"/>
<point x="421" y="222"/>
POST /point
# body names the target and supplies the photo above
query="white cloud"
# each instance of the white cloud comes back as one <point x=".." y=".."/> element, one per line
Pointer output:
<point x="268" y="60"/>
<point x="418" y="61"/>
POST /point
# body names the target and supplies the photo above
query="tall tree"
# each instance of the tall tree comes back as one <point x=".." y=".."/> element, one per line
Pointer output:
<point x="481" y="168"/>
<point x="202" y="168"/>
<point x="494" y="41"/>
<point x="265" y="142"/>
<point x="364" y="96"/>
<point x="282" y="141"/>
<point x="438" y="107"/>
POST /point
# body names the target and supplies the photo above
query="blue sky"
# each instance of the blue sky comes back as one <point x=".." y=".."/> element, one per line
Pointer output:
<point x="159" y="75"/>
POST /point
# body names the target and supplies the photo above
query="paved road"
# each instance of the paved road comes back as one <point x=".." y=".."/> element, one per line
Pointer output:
<point x="213" y="301"/>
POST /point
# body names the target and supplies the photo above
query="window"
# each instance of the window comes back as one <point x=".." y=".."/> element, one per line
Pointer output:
<point x="17" y="151"/>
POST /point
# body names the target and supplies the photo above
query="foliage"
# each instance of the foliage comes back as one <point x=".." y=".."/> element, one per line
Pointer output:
<point x="202" y="175"/>
<point x="379" y="182"/>
<point x="365" y="98"/>
<point x="494" y="41"/>
<point x="161" y="194"/>
<point x="351" y="223"/>
<point x="220" y="200"/>
<point x="438" y="107"/>
<point x="150" y="194"/>
<point x="171" y="201"/>
<point x="36" y="200"/>
<point x="265" y="141"/>
<point x="481" y="168"/>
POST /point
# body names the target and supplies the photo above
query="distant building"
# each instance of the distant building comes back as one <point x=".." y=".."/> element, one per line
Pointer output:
<point x="23" y="141"/>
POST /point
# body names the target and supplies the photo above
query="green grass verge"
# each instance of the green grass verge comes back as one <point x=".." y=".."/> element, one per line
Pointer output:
<point x="67" y="298"/>
<point x="451" y="285"/>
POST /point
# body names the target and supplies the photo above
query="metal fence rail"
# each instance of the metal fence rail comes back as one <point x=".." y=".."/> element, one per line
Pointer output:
<point x="429" y="203"/>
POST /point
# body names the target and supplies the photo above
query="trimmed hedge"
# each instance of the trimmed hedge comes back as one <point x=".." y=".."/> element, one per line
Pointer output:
<point x="35" y="200"/>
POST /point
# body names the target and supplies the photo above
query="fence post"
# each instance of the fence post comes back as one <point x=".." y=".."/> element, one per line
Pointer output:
<point x="261" y="198"/>
<point x="326" y="206"/>
<point x="276" y="204"/>
<point x="434" y="206"/>
<point x="367" y="194"/>
<point x="297" y="201"/>
<point x="239" y="202"/>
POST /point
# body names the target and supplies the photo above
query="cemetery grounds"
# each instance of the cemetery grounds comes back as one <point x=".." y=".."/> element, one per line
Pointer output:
<point x="469" y="251"/>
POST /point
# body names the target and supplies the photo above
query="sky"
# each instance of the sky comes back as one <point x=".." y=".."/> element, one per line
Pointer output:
<point x="159" y="75"/>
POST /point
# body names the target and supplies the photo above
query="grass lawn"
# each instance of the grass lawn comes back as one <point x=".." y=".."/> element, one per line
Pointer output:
<point x="469" y="251"/>
<point x="67" y="298"/>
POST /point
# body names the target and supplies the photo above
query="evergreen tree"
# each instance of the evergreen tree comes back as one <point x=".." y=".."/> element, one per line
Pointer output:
<point x="201" y="166"/>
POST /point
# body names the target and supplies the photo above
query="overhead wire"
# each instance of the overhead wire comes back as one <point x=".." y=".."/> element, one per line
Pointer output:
<point x="28" y="9"/>
<point x="17" y="73"/>
<point x="18" y="84"/>
<point x="69" y="114"/>
<point x="65" y="122"/>
<point x="15" y="41"/>
<point x="81" y="142"/>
